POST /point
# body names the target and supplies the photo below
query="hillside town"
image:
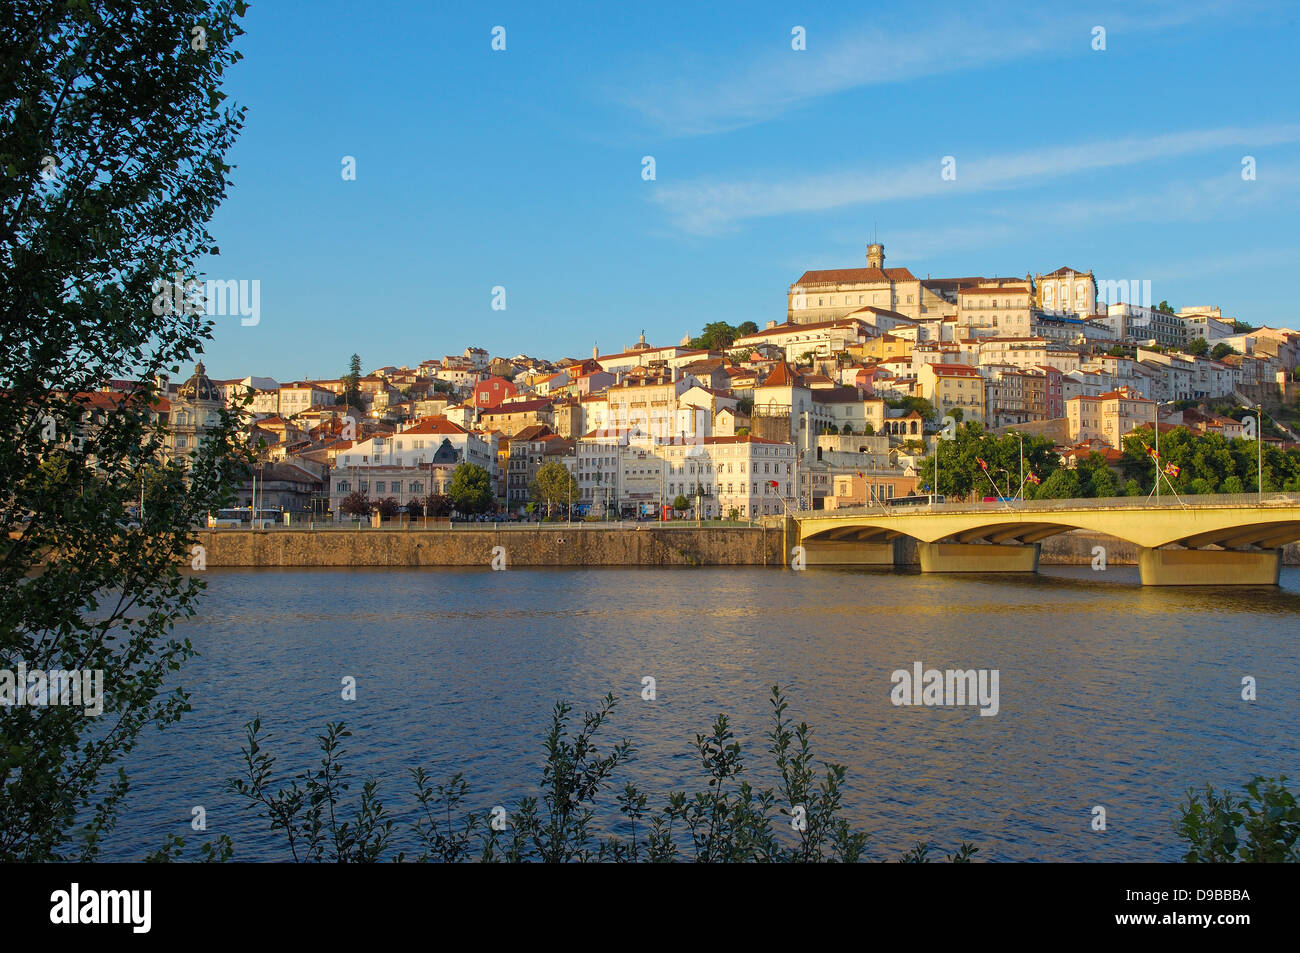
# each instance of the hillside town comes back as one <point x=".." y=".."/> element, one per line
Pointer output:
<point x="834" y="406"/>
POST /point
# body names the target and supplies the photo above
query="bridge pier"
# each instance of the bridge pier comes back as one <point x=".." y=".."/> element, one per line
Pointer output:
<point x="849" y="553"/>
<point x="978" y="557"/>
<point x="1209" y="567"/>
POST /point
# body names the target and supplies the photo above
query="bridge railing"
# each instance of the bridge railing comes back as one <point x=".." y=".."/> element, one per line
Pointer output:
<point x="1167" y="502"/>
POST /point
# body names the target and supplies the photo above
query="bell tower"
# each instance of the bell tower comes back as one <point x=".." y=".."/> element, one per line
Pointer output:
<point x="875" y="255"/>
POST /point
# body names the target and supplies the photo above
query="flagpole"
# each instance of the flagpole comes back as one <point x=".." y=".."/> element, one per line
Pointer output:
<point x="1156" y="408"/>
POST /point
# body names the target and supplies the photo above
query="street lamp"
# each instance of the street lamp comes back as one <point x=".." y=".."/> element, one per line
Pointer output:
<point x="1259" y="437"/>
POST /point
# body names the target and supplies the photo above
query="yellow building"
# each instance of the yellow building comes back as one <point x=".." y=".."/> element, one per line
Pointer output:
<point x="953" y="386"/>
<point x="1108" y="416"/>
<point x="882" y="348"/>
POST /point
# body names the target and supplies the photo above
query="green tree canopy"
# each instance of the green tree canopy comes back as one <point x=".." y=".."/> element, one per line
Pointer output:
<point x="554" y="484"/>
<point x="961" y="476"/>
<point x="113" y="141"/>
<point x="470" y="489"/>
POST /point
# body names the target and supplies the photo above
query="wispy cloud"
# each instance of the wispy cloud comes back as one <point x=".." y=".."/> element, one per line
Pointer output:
<point x="719" y="94"/>
<point x="709" y="206"/>
<point x="1215" y="198"/>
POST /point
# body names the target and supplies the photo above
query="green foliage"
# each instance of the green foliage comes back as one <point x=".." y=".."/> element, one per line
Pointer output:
<point x="352" y="382"/>
<point x="134" y="122"/>
<point x="719" y="335"/>
<point x="681" y="504"/>
<point x="1207" y="461"/>
<point x="437" y="505"/>
<point x="554" y="484"/>
<point x="1222" y="350"/>
<point x="1197" y="347"/>
<point x="909" y="404"/>
<point x="1262" y="827"/>
<point x="799" y="820"/>
<point x="470" y="489"/>
<point x="961" y="477"/>
<point x="310" y="811"/>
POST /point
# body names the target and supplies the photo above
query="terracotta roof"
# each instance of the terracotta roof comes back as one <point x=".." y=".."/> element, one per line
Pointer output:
<point x="855" y="276"/>
<point x="438" y="424"/>
<point x="1007" y="289"/>
<point x="518" y="407"/>
<point x="748" y="438"/>
<point x="781" y="375"/>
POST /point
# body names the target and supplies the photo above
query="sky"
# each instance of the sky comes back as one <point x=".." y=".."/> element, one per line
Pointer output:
<point x="523" y="168"/>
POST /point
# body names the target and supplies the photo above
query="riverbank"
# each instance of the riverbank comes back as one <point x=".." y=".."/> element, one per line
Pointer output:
<point x="577" y="545"/>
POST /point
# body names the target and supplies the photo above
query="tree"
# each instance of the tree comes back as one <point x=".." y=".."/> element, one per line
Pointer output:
<point x="1197" y="347"/>
<point x="909" y="404"/>
<point x="681" y="504"/>
<point x="1166" y="307"/>
<point x="470" y="489"/>
<point x="437" y="505"/>
<point x="352" y="382"/>
<point x="960" y="473"/>
<point x="868" y="430"/>
<point x="554" y="484"/>
<point x="746" y="327"/>
<point x="742" y="432"/>
<point x="113" y="137"/>
<point x="847" y="429"/>
<point x="415" y="509"/>
<point x="716" y="336"/>
<point x="1222" y="350"/>
<point x="355" y="503"/>
<point x="1061" y="485"/>
<point x="733" y="514"/>
<point x="388" y="507"/>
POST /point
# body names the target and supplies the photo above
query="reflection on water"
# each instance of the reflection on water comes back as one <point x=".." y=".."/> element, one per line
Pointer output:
<point x="1111" y="693"/>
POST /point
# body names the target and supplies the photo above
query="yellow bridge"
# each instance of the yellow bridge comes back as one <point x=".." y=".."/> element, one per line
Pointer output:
<point x="1202" y="540"/>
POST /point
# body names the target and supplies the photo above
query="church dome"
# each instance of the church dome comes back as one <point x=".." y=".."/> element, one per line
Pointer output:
<point x="199" y="387"/>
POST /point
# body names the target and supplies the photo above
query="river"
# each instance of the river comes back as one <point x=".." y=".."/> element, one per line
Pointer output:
<point x="1110" y="694"/>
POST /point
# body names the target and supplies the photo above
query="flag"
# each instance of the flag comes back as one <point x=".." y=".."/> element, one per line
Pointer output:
<point x="1033" y="478"/>
<point x="983" y="463"/>
<point x="1151" y="452"/>
<point x="773" y="484"/>
<point x="1173" y="470"/>
<point x="860" y="473"/>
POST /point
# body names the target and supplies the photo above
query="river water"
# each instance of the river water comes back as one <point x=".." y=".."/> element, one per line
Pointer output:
<point x="1110" y="694"/>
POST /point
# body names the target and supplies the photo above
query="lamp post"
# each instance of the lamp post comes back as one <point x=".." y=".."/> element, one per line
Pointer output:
<point x="1259" y="437"/>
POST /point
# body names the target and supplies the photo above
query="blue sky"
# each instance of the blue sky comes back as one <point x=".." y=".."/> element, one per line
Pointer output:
<point x="523" y="168"/>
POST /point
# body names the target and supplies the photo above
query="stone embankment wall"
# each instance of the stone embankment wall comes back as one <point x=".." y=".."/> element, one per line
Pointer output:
<point x="741" y="546"/>
<point x="731" y="546"/>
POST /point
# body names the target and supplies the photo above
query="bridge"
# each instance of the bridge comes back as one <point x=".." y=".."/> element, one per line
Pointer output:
<point x="1201" y="540"/>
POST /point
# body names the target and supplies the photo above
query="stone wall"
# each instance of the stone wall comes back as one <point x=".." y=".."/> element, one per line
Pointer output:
<point x="739" y="546"/>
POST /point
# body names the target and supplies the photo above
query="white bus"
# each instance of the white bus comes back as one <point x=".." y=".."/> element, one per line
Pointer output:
<point x="241" y="516"/>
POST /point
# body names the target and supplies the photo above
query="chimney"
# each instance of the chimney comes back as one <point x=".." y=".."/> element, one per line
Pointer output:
<point x="770" y="325"/>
